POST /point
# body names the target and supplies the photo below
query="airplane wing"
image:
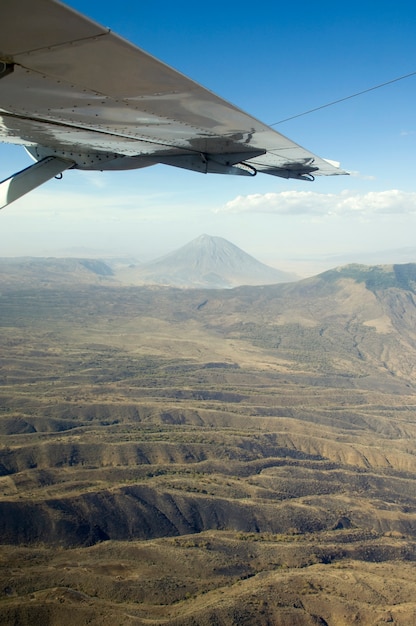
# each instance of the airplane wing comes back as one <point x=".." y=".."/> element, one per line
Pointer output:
<point x="78" y="96"/>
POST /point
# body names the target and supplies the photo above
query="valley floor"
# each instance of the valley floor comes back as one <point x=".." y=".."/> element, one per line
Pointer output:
<point x="153" y="471"/>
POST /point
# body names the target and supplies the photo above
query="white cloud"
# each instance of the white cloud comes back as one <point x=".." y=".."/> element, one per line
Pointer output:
<point x="311" y="203"/>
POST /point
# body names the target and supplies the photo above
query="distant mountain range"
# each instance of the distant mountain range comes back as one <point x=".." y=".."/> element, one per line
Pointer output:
<point x="205" y="262"/>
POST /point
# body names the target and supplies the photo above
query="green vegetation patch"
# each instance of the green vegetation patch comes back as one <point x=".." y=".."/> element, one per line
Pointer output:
<point x="378" y="277"/>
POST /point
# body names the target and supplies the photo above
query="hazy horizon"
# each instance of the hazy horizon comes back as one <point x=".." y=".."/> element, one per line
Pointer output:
<point x="149" y="212"/>
<point x="304" y="265"/>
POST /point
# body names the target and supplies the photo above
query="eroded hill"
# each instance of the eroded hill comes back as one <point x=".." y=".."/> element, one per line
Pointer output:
<point x="237" y="457"/>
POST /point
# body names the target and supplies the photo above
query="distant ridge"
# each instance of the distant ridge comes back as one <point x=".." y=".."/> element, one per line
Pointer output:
<point x="209" y="262"/>
<point x="51" y="271"/>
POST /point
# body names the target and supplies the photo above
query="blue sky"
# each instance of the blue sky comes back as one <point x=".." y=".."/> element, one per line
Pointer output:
<point x="274" y="60"/>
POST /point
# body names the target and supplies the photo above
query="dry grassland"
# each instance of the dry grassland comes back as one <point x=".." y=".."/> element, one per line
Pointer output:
<point x="195" y="458"/>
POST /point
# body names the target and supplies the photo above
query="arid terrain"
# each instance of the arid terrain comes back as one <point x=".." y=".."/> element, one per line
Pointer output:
<point x="208" y="457"/>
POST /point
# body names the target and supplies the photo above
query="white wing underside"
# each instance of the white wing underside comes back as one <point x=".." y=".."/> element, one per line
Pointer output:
<point x="71" y="88"/>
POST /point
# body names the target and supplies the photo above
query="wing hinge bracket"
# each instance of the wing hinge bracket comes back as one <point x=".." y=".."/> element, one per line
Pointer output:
<point x="227" y="163"/>
<point x="301" y="170"/>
